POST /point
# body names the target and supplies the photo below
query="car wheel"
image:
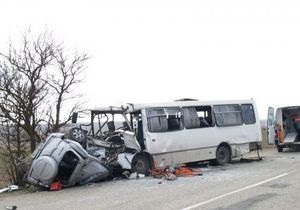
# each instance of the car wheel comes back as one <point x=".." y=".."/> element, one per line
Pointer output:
<point x="77" y="134"/>
<point x="223" y="155"/>
<point x="279" y="148"/>
<point x="141" y="164"/>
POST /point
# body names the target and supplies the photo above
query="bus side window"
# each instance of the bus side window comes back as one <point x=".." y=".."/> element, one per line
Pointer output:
<point x="203" y="122"/>
<point x="197" y="117"/>
<point x="205" y="116"/>
<point x="164" y="119"/>
<point x="248" y="114"/>
<point x="190" y="117"/>
<point x="174" y="119"/>
<point x="157" y="120"/>
<point x="228" y="115"/>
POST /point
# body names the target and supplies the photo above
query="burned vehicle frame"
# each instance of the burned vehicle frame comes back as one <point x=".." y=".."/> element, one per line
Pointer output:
<point x="88" y="152"/>
<point x="119" y="131"/>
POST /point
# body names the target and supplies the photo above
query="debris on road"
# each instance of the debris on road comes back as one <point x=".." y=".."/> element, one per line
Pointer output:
<point x="11" y="207"/>
<point x="9" y="188"/>
<point x="55" y="186"/>
<point x="172" y="174"/>
<point x="136" y="175"/>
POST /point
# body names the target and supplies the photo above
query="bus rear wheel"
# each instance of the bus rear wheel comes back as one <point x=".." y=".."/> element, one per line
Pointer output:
<point x="223" y="155"/>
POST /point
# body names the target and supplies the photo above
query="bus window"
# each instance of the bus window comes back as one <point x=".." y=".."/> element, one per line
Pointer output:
<point x="164" y="119"/>
<point x="190" y="117"/>
<point x="197" y="117"/>
<point x="227" y="115"/>
<point x="157" y="120"/>
<point x="205" y="116"/>
<point x="248" y="114"/>
<point x="174" y="119"/>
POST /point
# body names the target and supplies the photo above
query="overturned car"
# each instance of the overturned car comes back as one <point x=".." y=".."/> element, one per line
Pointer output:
<point x="88" y="152"/>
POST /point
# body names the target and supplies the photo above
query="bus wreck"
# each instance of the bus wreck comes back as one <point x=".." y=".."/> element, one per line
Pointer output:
<point x="139" y="137"/>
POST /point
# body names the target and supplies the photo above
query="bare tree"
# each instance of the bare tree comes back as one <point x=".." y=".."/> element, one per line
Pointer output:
<point x="12" y="149"/>
<point x="36" y="75"/>
<point x="36" y="80"/>
<point x="68" y="74"/>
<point x="22" y="88"/>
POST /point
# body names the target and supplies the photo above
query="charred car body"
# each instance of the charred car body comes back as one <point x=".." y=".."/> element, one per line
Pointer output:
<point x="88" y="152"/>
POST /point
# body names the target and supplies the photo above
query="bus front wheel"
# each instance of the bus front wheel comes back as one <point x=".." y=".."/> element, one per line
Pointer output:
<point x="223" y="155"/>
<point x="141" y="164"/>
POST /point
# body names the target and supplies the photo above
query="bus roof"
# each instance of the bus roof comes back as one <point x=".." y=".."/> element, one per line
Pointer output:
<point x="109" y="109"/>
<point x="132" y="107"/>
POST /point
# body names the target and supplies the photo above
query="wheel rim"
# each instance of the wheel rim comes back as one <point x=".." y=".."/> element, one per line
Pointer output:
<point x="223" y="155"/>
<point x="140" y="165"/>
<point x="78" y="134"/>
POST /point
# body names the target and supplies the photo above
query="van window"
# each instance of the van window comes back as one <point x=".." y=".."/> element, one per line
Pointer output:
<point x="227" y="115"/>
<point x="164" y="119"/>
<point x="248" y="114"/>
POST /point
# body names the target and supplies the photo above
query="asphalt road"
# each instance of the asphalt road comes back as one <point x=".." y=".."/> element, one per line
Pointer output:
<point x="273" y="183"/>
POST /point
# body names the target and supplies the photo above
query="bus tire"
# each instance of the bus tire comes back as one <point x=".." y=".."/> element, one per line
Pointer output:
<point x="223" y="155"/>
<point x="141" y="164"/>
<point x="279" y="148"/>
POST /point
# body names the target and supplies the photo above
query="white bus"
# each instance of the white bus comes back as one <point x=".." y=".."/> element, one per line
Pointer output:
<point x="183" y="131"/>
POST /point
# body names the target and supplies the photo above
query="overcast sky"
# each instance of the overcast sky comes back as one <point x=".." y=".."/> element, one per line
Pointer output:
<point x="158" y="51"/>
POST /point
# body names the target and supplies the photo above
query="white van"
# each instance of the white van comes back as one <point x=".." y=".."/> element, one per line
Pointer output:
<point x="284" y="127"/>
<point x="183" y="131"/>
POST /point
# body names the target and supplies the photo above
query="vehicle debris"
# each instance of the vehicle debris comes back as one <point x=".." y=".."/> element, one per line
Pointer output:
<point x="170" y="176"/>
<point x="76" y="156"/>
<point x="55" y="186"/>
<point x="178" y="171"/>
<point x="9" y="188"/>
<point x="252" y="159"/>
<point x="135" y="175"/>
<point x="11" y="207"/>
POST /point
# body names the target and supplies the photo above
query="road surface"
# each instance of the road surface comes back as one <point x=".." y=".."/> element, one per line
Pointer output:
<point x="273" y="183"/>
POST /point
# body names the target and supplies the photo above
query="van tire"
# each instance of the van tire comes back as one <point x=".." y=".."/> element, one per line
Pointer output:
<point x="141" y="164"/>
<point x="223" y="155"/>
<point x="279" y="148"/>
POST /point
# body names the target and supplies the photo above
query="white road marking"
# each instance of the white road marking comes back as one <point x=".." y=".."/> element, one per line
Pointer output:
<point x="233" y="192"/>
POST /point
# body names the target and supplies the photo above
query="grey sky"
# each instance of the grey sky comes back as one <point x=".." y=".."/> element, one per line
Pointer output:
<point x="157" y="51"/>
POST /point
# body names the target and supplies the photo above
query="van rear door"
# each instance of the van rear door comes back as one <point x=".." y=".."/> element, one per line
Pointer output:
<point x="270" y="125"/>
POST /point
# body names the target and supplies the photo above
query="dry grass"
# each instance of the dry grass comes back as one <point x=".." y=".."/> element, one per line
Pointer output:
<point x="4" y="180"/>
<point x="265" y="143"/>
